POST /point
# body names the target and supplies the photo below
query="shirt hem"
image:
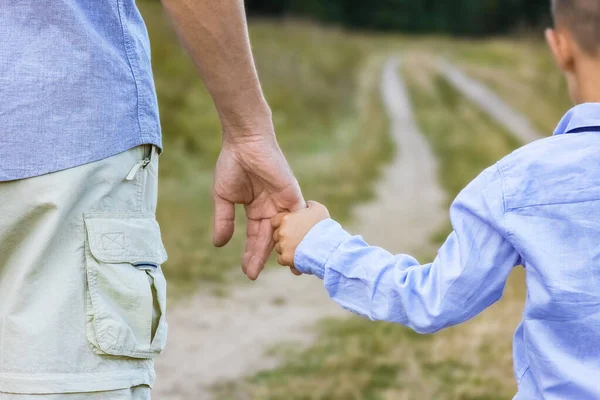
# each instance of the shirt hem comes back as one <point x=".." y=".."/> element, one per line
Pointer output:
<point x="74" y="383"/>
<point x="79" y="161"/>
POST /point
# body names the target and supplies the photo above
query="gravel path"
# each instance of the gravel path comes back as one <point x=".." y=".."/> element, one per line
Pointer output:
<point x="213" y="339"/>
<point x="489" y="102"/>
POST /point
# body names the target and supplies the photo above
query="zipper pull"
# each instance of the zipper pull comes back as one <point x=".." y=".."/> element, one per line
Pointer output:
<point x="142" y="164"/>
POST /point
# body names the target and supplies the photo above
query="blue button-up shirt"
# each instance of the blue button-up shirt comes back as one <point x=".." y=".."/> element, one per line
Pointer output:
<point x="540" y="208"/>
<point x="75" y="84"/>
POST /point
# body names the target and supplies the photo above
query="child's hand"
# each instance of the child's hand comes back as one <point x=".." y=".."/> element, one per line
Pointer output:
<point x="290" y="229"/>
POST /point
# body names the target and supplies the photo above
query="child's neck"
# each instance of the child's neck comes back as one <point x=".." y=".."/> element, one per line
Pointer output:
<point x="588" y="81"/>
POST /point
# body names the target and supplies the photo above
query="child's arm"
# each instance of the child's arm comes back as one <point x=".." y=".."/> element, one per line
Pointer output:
<point x="467" y="276"/>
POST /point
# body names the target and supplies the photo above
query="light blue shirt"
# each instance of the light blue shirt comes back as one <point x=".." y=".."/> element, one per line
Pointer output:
<point x="538" y="207"/>
<point x="76" y="84"/>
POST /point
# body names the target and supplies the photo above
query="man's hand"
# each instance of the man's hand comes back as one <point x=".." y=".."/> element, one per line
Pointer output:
<point x="251" y="170"/>
<point x="291" y="228"/>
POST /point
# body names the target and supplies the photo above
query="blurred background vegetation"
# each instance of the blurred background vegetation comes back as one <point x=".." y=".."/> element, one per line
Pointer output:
<point x="315" y="62"/>
<point x="328" y="119"/>
<point x="458" y="17"/>
<point x="320" y="64"/>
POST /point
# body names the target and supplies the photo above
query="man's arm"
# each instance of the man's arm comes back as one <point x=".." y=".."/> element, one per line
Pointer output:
<point x="215" y="35"/>
<point x="251" y="169"/>
<point x="467" y="276"/>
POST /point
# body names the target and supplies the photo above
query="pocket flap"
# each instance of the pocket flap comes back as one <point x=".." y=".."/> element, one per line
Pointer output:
<point x="125" y="238"/>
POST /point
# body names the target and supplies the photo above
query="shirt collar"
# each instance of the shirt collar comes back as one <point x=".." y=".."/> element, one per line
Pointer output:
<point x="582" y="118"/>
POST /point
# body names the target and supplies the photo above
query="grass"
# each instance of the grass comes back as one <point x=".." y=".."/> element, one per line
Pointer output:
<point x="464" y="138"/>
<point x="312" y="77"/>
<point x="524" y="75"/>
<point x="520" y="69"/>
<point x="358" y="359"/>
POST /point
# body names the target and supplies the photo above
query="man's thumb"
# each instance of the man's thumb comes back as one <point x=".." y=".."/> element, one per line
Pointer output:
<point x="223" y="221"/>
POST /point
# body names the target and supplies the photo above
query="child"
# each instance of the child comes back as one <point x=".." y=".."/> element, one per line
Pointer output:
<point x="539" y="207"/>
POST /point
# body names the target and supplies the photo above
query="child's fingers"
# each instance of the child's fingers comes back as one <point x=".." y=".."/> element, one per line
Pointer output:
<point x="295" y="271"/>
<point x="276" y="236"/>
<point x="278" y="248"/>
<point x="277" y="220"/>
<point x="286" y="262"/>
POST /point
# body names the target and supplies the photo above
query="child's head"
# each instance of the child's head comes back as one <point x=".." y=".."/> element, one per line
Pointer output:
<point x="575" y="44"/>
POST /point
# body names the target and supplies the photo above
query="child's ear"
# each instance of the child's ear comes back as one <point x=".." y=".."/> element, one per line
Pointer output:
<point x="560" y="47"/>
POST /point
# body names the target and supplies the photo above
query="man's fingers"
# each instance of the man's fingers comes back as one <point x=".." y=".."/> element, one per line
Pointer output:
<point x="312" y="203"/>
<point x="277" y="220"/>
<point x="223" y="221"/>
<point x="252" y="229"/>
<point x="261" y="250"/>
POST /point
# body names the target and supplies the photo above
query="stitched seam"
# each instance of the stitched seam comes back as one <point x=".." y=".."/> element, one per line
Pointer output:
<point x="505" y="209"/>
<point x="118" y="215"/>
<point x="29" y="376"/>
<point x="554" y="204"/>
<point x="109" y="256"/>
<point x="91" y="275"/>
<point x="509" y="234"/>
<point x="502" y="183"/>
<point x="144" y="178"/>
<point x="523" y="374"/>
<point x="94" y="297"/>
<point x="98" y="310"/>
<point x="135" y="78"/>
<point x="140" y="189"/>
<point x="326" y="265"/>
<point x="439" y="325"/>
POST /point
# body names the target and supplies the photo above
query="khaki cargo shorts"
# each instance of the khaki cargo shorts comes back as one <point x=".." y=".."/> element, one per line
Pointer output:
<point x="82" y="293"/>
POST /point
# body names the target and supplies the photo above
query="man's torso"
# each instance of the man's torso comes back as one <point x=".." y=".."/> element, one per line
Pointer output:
<point x="76" y="84"/>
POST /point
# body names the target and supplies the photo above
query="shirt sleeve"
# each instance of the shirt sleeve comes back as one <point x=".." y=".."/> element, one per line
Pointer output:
<point x="468" y="275"/>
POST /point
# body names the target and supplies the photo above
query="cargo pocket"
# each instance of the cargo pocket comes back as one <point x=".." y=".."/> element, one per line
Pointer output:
<point x="126" y="289"/>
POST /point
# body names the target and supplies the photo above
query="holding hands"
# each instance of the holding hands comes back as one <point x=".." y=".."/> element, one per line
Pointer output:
<point x="253" y="171"/>
<point x="291" y="228"/>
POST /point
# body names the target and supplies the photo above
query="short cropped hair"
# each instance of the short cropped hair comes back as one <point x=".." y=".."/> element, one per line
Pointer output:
<point x="582" y="19"/>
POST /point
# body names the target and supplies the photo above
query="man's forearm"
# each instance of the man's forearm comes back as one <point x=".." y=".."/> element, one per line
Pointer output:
<point x="215" y="35"/>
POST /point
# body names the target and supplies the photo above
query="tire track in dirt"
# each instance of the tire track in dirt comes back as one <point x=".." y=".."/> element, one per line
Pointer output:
<point x="489" y="102"/>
